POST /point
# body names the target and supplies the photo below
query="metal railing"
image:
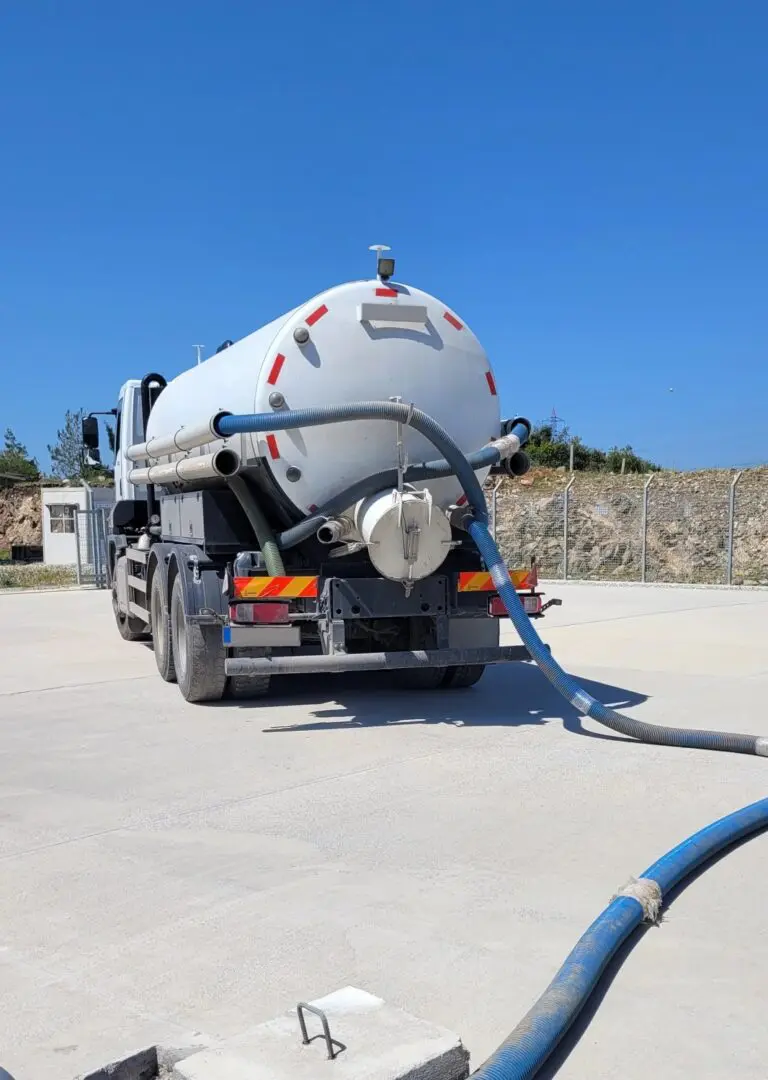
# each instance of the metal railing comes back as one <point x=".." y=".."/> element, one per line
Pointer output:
<point x="91" y="527"/>
<point x="703" y="528"/>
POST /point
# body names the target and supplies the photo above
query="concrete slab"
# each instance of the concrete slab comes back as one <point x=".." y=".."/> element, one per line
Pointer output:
<point x="170" y="869"/>
<point x="371" y="1041"/>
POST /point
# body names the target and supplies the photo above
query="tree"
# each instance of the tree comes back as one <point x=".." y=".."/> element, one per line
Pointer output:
<point x="68" y="455"/>
<point x="14" y="459"/>
<point x="554" y="451"/>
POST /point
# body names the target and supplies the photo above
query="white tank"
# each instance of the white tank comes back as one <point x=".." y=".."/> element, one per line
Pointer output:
<point x="365" y="340"/>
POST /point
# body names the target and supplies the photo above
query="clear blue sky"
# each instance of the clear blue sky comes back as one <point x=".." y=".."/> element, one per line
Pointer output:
<point x="586" y="183"/>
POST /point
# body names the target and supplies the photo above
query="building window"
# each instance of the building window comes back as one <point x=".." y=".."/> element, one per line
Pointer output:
<point x="62" y="517"/>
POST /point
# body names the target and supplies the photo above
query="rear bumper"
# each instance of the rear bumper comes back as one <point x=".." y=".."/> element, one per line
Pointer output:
<point x="378" y="661"/>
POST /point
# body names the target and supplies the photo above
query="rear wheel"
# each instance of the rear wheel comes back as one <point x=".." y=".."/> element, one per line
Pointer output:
<point x="419" y="678"/>
<point x="247" y="687"/>
<point x="131" y="628"/>
<point x="161" y="629"/>
<point x="459" y="678"/>
<point x="198" y="653"/>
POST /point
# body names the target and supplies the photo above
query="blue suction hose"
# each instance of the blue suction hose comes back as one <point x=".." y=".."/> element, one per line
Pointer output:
<point x="526" y="1049"/>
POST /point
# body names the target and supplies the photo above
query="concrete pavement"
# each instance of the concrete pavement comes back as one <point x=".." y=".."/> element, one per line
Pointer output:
<point x="173" y="869"/>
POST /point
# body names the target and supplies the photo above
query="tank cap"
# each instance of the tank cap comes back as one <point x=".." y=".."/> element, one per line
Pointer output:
<point x="301" y="335"/>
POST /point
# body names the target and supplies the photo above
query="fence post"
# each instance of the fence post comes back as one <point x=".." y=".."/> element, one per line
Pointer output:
<point x="731" y="515"/>
<point x="77" y="547"/>
<point x="644" y="556"/>
<point x="496" y="487"/>
<point x="566" y="500"/>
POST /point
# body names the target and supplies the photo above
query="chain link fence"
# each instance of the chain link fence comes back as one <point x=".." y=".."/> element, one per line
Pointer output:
<point x="703" y="528"/>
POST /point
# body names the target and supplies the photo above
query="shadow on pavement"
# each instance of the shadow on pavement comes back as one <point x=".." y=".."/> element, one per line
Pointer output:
<point x="508" y="696"/>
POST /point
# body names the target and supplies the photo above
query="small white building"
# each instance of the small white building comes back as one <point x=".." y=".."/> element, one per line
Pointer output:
<point x="68" y="518"/>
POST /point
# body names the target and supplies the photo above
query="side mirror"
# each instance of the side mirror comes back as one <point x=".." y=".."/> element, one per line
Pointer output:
<point x="90" y="432"/>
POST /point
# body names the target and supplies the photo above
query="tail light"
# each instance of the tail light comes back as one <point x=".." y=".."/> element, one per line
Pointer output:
<point x="261" y="612"/>
<point x="531" y="605"/>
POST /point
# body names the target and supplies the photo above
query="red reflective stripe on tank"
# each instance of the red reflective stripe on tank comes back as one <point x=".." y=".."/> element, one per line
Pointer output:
<point x="277" y="367"/>
<point x="461" y="501"/>
<point x="491" y="383"/>
<point x="386" y="292"/>
<point x="274" y="453"/>
<point x="313" y="318"/>
<point x="453" y="320"/>
<point x="312" y="508"/>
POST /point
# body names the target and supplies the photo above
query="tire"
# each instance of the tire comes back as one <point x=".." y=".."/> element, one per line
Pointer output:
<point x="162" y="636"/>
<point x="248" y="687"/>
<point x="198" y="653"/>
<point x="460" y="678"/>
<point x="419" y="678"/>
<point x="131" y="628"/>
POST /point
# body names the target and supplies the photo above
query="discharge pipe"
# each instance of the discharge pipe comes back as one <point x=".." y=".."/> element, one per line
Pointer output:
<point x="477" y="527"/>
<point x="185" y="438"/>
<point x="223" y="462"/>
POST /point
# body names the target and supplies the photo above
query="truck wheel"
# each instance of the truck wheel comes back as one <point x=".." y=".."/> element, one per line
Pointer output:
<point x="459" y="678"/>
<point x="131" y="628"/>
<point x="161" y="629"/>
<point x="248" y="687"/>
<point x="198" y="653"/>
<point x="419" y="678"/>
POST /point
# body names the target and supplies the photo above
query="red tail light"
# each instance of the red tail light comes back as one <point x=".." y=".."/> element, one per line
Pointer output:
<point x="532" y="605"/>
<point x="259" y="613"/>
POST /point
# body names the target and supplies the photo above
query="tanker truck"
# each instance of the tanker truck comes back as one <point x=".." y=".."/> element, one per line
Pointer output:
<point x="287" y="507"/>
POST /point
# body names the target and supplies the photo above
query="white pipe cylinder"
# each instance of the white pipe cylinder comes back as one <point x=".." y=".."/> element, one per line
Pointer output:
<point x="185" y="438"/>
<point x="203" y="467"/>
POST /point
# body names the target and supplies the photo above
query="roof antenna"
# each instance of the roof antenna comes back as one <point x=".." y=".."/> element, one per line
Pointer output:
<point x="385" y="267"/>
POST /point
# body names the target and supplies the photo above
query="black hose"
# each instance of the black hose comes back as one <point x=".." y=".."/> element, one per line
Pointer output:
<point x="258" y="522"/>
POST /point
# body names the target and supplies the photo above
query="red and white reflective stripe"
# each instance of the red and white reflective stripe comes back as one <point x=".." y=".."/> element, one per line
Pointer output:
<point x="274" y="453"/>
<point x="491" y="382"/>
<point x="453" y="320"/>
<point x="386" y="292"/>
<point x="461" y="501"/>
<point x="277" y="367"/>
<point x="316" y="315"/>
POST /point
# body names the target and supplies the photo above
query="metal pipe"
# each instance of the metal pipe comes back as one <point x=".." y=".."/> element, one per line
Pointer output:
<point x="494" y="494"/>
<point x="223" y="462"/>
<point x="333" y="531"/>
<point x="644" y="555"/>
<point x="566" y="501"/>
<point x="186" y="438"/>
<point x="375" y="661"/>
<point x="731" y="516"/>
